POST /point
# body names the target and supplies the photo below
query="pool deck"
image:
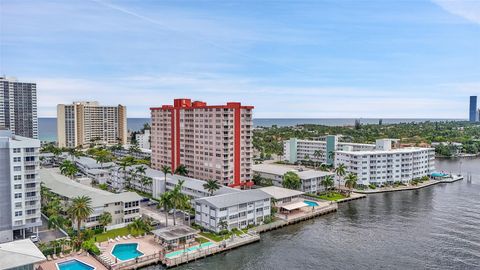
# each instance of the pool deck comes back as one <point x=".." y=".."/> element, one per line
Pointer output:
<point x="146" y="245"/>
<point x="52" y="265"/>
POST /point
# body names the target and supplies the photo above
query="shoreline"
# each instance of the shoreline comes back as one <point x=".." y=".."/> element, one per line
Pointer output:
<point x="406" y="188"/>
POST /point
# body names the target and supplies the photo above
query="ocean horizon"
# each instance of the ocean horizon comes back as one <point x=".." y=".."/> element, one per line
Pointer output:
<point x="48" y="125"/>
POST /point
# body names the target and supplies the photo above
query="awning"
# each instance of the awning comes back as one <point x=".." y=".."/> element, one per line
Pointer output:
<point x="294" y="206"/>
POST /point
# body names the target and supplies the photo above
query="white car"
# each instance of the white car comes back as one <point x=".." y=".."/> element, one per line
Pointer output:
<point x="34" y="238"/>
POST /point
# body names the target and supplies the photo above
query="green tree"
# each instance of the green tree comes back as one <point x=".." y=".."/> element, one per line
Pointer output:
<point x="166" y="170"/>
<point x="350" y="182"/>
<point x="165" y="202"/>
<point x="291" y="180"/>
<point x="68" y="169"/>
<point x="211" y="186"/>
<point x="181" y="170"/>
<point x="80" y="209"/>
<point x="177" y="198"/>
<point x="104" y="219"/>
<point x="327" y="182"/>
<point x="340" y="171"/>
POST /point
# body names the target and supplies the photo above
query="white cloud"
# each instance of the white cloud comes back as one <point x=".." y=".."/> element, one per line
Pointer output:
<point x="468" y="9"/>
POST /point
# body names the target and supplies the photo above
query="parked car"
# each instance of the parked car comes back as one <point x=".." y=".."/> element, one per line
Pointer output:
<point x="34" y="238"/>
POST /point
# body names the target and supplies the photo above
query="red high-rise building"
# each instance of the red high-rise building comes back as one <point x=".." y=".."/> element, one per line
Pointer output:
<point x="212" y="141"/>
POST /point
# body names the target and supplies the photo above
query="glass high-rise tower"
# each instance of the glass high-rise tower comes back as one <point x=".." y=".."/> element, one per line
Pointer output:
<point x="473" y="109"/>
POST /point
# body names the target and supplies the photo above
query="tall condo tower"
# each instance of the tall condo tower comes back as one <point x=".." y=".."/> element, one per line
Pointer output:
<point x="473" y="109"/>
<point x="212" y="141"/>
<point x="83" y="123"/>
<point x="18" y="107"/>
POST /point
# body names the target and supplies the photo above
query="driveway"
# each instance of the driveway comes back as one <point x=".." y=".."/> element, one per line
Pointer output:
<point x="46" y="235"/>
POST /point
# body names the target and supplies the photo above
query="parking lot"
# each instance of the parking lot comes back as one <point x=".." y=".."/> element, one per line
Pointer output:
<point x="46" y="235"/>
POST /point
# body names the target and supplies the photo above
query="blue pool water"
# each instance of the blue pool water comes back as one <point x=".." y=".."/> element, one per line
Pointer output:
<point x="74" y="265"/>
<point x="126" y="251"/>
<point x="310" y="203"/>
<point x="178" y="252"/>
<point x="438" y="174"/>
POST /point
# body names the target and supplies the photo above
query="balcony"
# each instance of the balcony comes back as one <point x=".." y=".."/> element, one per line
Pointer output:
<point x="32" y="198"/>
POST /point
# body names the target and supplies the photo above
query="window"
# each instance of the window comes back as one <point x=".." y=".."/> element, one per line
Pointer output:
<point x="17" y="150"/>
<point x="17" y="168"/>
<point x="17" y="177"/>
<point x="17" y="159"/>
<point x="17" y="186"/>
<point x="18" y="204"/>
<point x="18" y="213"/>
<point x="18" y="195"/>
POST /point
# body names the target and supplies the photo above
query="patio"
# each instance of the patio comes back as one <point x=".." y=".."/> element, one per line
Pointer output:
<point x="52" y="265"/>
<point x="300" y="209"/>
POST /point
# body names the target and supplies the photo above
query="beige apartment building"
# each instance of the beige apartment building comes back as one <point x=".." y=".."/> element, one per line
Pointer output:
<point x="81" y="123"/>
<point x="212" y="141"/>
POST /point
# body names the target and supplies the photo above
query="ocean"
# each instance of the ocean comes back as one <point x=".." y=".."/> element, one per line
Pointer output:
<point x="48" y="126"/>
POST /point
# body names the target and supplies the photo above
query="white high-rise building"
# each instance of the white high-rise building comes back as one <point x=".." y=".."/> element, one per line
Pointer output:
<point x="83" y="123"/>
<point x="143" y="139"/>
<point x="387" y="164"/>
<point x="18" y="107"/>
<point x="19" y="186"/>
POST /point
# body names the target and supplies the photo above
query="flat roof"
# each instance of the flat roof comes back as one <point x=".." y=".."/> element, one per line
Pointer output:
<point x="175" y="232"/>
<point x="19" y="253"/>
<point x="279" y="193"/>
<point x="69" y="188"/>
<point x="293" y="206"/>
<point x="282" y="169"/>
<point x="231" y="199"/>
<point x="392" y="151"/>
<point x="92" y="163"/>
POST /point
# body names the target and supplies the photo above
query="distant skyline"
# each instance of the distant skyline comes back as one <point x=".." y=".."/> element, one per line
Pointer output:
<point x="297" y="59"/>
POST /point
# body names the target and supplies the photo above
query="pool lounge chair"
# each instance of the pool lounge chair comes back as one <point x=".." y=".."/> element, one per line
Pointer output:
<point x="49" y="258"/>
<point x="129" y="236"/>
<point x="61" y="255"/>
<point x="54" y="256"/>
<point x="124" y="237"/>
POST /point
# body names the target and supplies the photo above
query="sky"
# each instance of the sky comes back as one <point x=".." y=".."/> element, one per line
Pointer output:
<point x="289" y="59"/>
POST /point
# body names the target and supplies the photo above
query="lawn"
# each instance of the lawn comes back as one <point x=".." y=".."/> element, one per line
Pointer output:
<point x="331" y="196"/>
<point x="201" y="240"/>
<point x="215" y="237"/>
<point x="102" y="237"/>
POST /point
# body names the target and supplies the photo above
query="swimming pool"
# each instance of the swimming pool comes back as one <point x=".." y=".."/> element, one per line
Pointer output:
<point x="310" y="203"/>
<point x="438" y="174"/>
<point x="179" y="252"/>
<point x="126" y="251"/>
<point x="74" y="265"/>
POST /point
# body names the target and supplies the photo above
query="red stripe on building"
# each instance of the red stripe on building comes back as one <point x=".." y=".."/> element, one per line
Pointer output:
<point x="237" y="143"/>
<point x="177" y="111"/>
<point x="172" y="139"/>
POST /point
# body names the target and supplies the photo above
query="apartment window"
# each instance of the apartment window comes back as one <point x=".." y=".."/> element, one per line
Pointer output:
<point x="18" y="204"/>
<point x="18" y="195"/>
<point x="17" y="186"/>
<point x="17" y="150"/>
<point x="17" y="159"/>
<point x="17" y="168"/>
<point x="17" y="177"/>
<point x="18" y="213"/>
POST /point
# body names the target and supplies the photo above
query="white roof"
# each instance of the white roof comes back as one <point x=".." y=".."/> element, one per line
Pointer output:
<point x="282" y="169"/>
<point x="293" y="206"/>
<point x="403" y="150"/>
<point x="236" y="198"/>
<point x="66" y="187"/>
<point x="279" y="193"/>
<point x="19" y="253"/>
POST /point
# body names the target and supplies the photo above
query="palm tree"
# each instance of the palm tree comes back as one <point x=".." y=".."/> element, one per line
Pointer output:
<point x="146" y="181"/>
<point x="80" y="209"/>
<point x="291" y="180"/>
<point x="165" y="202"/>
<point x="340" y="171"/>
<point x="74" y="153"/>
<point x="328" y="182"/>
<point x="136" y="226"/>
<point x="166" y="170"/>
<point x="351" y="182"/>
<point x="223" y="226"/>
<point x="104" y="219"/>
<point x="176" y="197"/>
<point x="323" y="167"/>
<point x="68" y="169"/>
<point x="56" y="152"/>
<point x="181" y="170"/>
<point x="317" y="154"/>
<point x="211" y="186"/>
<point x="103" y="156"/>
<point x="123" y="165"/>
<point x="134" y="148"/>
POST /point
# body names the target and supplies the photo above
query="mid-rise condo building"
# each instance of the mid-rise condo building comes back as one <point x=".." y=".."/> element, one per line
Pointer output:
<point x="84" y="123"/>
<point x="124" y="207"/>
<point x="19" y="186"/>
<point x="212" y="141"/>
<point x="310" y="179"/>
<point x="387" y="164"/>
<point x="143" y="139"/>
<point x="319" y="150"/>
<point x="18" y="107"/>
<point x="239" y="209"/>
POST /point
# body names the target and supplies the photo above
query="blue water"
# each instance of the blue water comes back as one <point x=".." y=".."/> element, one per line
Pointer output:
<point x="126" y="251"/>
<point x="310" y="203"/>
<point x="178" y="252"/>
<point x="48" y="126"/>
<point x="74" y="265"/>
<point x="439" y="174"/>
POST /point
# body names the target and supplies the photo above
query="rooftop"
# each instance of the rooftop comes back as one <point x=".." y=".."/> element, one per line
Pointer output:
<point x="282" y="169"/>
<point x="19" y="253"/>
<point x="175" y="232"/>
<point x="391" y="151"/>
<point x="236" y="198"/>
<point x="279" y="193"/>
<point x="66" y="187"/>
